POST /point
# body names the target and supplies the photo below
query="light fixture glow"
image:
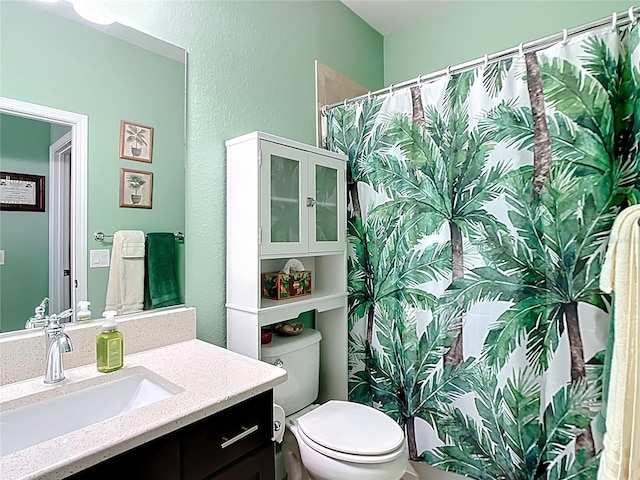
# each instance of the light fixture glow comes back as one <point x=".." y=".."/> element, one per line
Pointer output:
<point x="88" y="14"/>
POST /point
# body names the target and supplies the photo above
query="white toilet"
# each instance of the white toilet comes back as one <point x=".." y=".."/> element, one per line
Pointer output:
<point x="337" y="440"/>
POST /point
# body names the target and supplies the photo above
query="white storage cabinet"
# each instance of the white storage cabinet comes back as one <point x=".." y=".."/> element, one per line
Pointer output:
<point x="287" y="200"/>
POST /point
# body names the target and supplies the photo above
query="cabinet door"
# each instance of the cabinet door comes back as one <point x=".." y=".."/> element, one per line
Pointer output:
<point x="284" y="224"/>
<point x="158" y="459"/>
<point x="260" y="465"/>
<point x="217" y="441"/>
<point x="327" y="212"/>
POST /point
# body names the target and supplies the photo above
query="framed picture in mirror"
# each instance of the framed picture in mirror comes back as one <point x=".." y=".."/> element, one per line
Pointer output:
<point x="136" y="188"/>
<point x="22" y="192"/>
<point x="136" y="141"/>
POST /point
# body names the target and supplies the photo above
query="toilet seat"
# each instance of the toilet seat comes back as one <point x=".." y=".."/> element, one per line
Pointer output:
<point x="348" y="457"/>
<point x="351" y="432"/>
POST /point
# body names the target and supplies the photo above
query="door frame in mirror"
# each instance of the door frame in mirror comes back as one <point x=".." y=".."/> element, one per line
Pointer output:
<point x="59" y="223"/>
<point x="79" y="146"/>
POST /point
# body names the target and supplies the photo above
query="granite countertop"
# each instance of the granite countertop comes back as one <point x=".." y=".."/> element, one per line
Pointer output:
<point x="204" y="378"/>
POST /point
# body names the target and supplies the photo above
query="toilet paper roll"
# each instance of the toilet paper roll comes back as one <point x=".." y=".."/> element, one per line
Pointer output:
<point x="278" y="423"/>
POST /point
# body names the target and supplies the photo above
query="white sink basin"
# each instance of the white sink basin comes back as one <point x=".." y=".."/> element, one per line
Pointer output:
<point x="25" y="426"/>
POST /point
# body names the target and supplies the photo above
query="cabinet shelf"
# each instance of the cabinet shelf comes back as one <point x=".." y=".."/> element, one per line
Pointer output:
<point x="274" y="311"/>
<point x="284" y="258"/>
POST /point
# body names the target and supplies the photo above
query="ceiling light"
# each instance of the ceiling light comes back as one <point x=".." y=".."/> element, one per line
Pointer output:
<point x="88" y="14"/>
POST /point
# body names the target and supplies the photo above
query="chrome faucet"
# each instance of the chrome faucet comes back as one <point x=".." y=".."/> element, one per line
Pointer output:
<point x="39" y="319"/>
<point x="58" y="343"/>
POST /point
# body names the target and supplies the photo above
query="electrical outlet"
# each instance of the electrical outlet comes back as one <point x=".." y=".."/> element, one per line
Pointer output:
<point x="99" y="258"/>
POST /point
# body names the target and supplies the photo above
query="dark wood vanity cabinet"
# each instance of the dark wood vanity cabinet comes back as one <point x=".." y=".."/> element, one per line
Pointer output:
<point x="233" y="435"/>
<point x="232" y="444"/>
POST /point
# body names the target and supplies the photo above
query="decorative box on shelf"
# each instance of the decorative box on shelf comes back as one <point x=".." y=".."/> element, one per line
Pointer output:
<point x="279" y="286"/>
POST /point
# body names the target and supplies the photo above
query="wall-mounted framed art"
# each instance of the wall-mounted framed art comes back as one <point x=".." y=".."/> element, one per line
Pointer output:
<point x="136" y="142"/>
<point x="22" y="192"/>
<point x="136" y="188"/>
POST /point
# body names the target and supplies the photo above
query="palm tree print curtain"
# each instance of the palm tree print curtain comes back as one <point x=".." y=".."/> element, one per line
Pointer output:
<point x="479" y="212"/>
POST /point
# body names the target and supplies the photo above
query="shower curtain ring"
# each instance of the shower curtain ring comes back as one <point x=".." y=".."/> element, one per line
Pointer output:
<point x="521" y="49"/>
<point x="448" y="70"/>
<point x="486" y="60"/>
<point x="324" y="110"/>
<point x="632" y="16"/>
<point x="391" y="89"/>
<point x="369" y="95"/>
<point x="344" y="104"/>
<point x="565" y="36"/>
<point x="614" y="21"/>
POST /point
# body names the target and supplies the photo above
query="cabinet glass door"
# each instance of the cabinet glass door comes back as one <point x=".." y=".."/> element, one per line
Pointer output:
<point x="285" y="199"/>
<point x="328" y="204"/>
<point x="284" y="227"/>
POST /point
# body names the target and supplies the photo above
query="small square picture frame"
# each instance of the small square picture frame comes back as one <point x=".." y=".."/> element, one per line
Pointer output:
<point x="136" y="142"/>
<point x="136" y="188"/>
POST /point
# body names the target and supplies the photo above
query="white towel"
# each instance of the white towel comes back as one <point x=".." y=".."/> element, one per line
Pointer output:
<point x="125" y="291"/>
<point x="620" y="274"/>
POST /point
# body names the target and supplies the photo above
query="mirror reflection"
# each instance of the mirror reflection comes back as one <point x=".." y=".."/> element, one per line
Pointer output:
<point x="51" y="58"/>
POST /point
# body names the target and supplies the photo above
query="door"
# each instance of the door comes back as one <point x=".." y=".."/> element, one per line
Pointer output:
<point x="60" y="289"/>
<point x="283" y="219"/>
<point x="327" y="208"/>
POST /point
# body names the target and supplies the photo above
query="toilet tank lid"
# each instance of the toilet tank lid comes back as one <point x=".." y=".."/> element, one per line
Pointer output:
<point x="282" y="345"/>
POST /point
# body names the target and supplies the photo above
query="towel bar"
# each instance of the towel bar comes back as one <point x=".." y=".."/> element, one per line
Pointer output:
<point x="100" y="236"/>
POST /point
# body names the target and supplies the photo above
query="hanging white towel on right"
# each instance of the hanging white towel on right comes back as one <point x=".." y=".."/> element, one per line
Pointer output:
<point x="620" y="275"/>
<point x="125" y="290"/>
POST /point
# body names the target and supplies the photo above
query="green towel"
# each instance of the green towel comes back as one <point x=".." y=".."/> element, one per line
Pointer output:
<point x="161" y="284"/>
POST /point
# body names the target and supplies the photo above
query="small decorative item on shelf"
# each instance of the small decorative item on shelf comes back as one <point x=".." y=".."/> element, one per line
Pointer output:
<point x="288" y="329"/>
<point x="275" y="285"/>
<point x="292" y="281"/>
<point x="266" y="336"/>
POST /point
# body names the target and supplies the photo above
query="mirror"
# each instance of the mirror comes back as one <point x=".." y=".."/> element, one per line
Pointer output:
<point x="67" y="85"/>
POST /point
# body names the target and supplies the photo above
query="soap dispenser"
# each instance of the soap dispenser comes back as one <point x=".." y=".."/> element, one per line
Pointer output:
<point x="109" y="345"/>
<point x="83" y="313"/>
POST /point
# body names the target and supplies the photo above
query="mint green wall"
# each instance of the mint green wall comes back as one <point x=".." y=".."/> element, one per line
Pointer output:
<point x="473" y="28"/>
<point x="53" y="61"/>
<point x="58" y="131"/>
<point x="251" y="67"/>
<point x="24" y="236"/>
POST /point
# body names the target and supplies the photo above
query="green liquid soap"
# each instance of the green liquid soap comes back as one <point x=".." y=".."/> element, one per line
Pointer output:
<point x="109" y="345"/>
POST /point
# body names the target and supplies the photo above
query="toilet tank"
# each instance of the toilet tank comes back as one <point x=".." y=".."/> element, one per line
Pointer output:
<point x="300" y="357"/>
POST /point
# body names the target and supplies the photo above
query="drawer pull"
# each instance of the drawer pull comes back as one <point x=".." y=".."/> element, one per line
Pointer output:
<point x="245" y="432"/>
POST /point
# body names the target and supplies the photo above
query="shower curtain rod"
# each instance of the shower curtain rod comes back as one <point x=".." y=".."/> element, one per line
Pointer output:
<point x="615" y="21"/>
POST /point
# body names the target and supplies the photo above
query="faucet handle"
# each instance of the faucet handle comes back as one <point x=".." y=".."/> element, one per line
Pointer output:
<point x="64" y="314"/>
<point x="39" y="319"/>
<point x="53" y="321"/>
<point x="41" y="308"/>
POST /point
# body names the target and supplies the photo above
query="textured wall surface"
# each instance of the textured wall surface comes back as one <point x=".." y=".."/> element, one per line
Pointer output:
<point x="250" y="67"/>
